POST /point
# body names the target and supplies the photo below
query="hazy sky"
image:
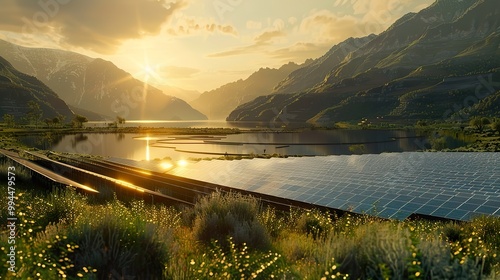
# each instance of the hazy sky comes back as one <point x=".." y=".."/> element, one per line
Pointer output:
<point x="197" y="44"/>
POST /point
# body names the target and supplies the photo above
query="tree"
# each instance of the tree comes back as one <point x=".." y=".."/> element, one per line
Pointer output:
<point x="421" y="123"/>
<point x="120" y="120"/>
<point x="479" y="123"/>
<point x="496" y="125"/>
<point x="60" y="118"/>
<point x="48" y="121"/>
<point x="55" y="121"/>
<point x="9" y="120"/>
<point x="34" y="112"/>
<point x="78" y="121"/>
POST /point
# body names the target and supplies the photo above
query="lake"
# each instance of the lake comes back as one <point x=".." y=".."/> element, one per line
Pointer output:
<point x="176" y="147"/>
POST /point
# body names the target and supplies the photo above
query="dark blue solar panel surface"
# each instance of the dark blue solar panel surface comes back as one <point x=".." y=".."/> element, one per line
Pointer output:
<point x="393" y="185"/>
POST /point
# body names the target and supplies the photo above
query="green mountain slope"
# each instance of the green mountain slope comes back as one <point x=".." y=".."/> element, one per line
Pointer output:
<point x="427" y="65"/>
<point x="17" y="89"/>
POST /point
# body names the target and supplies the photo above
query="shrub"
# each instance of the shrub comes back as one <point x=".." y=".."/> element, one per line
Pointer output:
<point x="117" y="243"/>
<point x="274" y="223"/>
<point x="452" y="232"/>
<point x="298" y="247"/>
<point x="315" y="223"/>
<point x="496" y="125"/>
<point x="437" y="262"/>
<point x="479" y="123"/>
<point x="237" y="262"/>
<point x="220" y="216"/>
<point x="439" y="143"/>
<point x="370" y="251"/>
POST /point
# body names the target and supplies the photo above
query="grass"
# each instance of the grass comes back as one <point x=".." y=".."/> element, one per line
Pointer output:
<point x="65" y="234"/>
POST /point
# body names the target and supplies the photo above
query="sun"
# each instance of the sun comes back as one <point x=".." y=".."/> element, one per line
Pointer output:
<point x="151" y="74"/>
<point x="148" y="70"/>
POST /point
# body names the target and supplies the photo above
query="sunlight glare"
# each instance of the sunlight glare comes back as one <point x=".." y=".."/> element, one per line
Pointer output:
<point x="182" y="163"/>
<point x="148" y="70"/>
<point x="166" y="165"/>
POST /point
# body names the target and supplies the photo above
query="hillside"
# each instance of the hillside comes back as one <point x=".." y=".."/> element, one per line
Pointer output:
<point x="439" y="63"/>
<point x="97" y="85"/>
<point x="218" y="103"/>
<point x="17" y="89"/>
<point x="314" y="73"/>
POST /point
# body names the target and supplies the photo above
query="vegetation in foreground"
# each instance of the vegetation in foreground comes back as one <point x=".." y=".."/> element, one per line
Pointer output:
<point x="64" y="234"/>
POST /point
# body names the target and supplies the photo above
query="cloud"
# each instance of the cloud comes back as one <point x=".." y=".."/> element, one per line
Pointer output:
<point x="300" y="51"/>
<point x="268" y="36"/>
<point x="324" y="26"/>
<point x="97" y="25"/>
<point x="254" y="25"/>
<point x="191" y="25"/>
<point x="279" y="24"/>
<point x="384" y="13"/>
<point x="261" y="40"/>
<point x="178" y="72"/>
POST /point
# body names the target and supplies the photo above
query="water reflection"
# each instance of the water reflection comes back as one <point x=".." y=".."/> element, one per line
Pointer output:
<point x="44" y="141"/>
<point x="147" y="146"/>
<point x="78" y="138"/>
<point x="120" y="136"/>
<point x="182" y="147"/>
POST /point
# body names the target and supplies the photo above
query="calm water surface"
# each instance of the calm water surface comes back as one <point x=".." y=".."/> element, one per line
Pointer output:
<point x="306" y="143"/>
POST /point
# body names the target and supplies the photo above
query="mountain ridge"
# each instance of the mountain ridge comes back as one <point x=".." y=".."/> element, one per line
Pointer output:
<point x="400" y="72"/>
<point x="218" y="103"/>
<point x="17" y="89"/>
<point x="97" y="85"/>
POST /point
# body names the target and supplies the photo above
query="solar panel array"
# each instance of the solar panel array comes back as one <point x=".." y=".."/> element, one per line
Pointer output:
<point x="394" y="185"/>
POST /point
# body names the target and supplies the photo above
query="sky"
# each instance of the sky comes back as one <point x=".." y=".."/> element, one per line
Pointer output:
<point x="197" y="44"/>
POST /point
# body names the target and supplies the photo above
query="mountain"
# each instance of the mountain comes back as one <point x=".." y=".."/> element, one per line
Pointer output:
<point x="97" y="85"/>
<point x="440" y="63"/>
<point x="315" y="71"/>
<point x="184" y="94"/>
<point x="218" y="103"/>
<point x="17" y="89"/>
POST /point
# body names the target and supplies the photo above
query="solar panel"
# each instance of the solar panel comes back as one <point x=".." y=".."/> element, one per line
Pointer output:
<point x="446" y="185"/>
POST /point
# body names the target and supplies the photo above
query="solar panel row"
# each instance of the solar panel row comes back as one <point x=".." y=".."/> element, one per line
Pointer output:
<point x="393" y="185"/>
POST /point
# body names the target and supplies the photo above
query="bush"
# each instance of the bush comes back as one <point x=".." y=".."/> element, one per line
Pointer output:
<point x="440" y="143"/>
<point x="315" y="223"/>
<point x="376" y="251"/>
<point x="452" y="232"/>
<point x="496" y="125"/>
<point x="272" y="221"/>
<point x="117" y="242"/>
<point x="237" y="262"/>
<point x="219" y="216"/>
<point x="479" y="123"/>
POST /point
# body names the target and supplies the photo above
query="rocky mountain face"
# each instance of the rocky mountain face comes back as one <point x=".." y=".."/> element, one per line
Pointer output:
<point x="17" y="89"/>
<point x="218" y="103"/>
<point x="314" y="72"/>
<point x="97" y="85"/>
<point x="440" y="63"/>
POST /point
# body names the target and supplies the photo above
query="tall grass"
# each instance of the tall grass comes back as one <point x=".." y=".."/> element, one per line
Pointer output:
<point x="65" y="234"/>
<point x="219" y="216"/>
